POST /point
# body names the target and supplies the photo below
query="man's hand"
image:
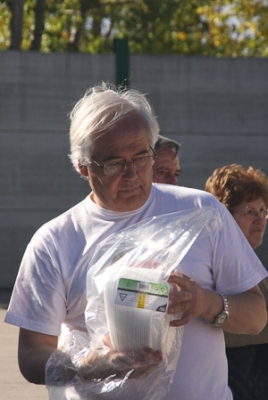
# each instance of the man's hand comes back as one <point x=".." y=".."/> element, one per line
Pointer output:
<point x="105" y="362"/>
<point x="186" y="298"/>
<point x="247" y="311"/>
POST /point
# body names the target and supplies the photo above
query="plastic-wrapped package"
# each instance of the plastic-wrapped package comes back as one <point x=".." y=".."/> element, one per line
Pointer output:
<point x="130" y="351"/>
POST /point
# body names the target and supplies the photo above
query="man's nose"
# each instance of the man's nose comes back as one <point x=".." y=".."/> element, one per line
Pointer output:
<point x="130" y="171"/>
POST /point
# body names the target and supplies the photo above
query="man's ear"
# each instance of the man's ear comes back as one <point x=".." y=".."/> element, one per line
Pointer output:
<point x="83" y="170"/>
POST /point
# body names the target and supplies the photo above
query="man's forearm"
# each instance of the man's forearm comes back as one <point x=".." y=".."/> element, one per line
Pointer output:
<point x="248" y="313"/>
<point x="34" y="351"/>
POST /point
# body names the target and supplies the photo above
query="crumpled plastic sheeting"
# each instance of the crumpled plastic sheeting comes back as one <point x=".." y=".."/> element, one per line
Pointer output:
<point x="157" y="244"/>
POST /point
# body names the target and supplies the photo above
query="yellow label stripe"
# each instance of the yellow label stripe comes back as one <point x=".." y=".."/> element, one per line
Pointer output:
<point x="141" y="300"/>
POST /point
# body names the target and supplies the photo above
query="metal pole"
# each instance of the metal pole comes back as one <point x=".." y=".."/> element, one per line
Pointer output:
<point x="121" y="62"/>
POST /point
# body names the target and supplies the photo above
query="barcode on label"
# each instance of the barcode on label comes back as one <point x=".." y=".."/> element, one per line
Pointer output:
<point x="143" y="287"/>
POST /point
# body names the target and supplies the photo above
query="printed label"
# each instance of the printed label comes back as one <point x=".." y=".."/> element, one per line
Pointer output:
<point x="143" y="295"/>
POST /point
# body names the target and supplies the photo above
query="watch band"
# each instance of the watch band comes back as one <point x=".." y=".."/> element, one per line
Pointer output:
<point x="225" y="303"/>
<point x="224" y="315"/>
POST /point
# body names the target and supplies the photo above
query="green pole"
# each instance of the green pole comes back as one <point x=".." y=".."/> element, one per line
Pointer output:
<point x="121" y="62"/>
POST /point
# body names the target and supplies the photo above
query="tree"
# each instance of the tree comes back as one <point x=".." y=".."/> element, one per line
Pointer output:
<point x="202" y="27"/>
<point x="237" y="28"/>
<point x="39" y="26"/>
<point x="5" y="31"/>
<point x="16" y="24"/>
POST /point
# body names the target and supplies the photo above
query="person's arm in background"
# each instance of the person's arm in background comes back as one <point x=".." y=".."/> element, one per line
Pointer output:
<point x="236" y="340"/>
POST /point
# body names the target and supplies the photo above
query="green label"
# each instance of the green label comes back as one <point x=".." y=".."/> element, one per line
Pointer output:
<point x="158" y="289"/>
<point x="143" y="295"/>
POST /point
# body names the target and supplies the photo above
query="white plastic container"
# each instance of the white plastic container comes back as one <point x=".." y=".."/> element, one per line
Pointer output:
<point x="135" y="303"/>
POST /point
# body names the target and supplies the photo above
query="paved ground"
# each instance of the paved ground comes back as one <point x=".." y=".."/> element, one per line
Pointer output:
<point x="12" y="385"/>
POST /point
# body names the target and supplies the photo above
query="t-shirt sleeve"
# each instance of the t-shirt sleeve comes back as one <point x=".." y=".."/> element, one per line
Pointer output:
<point x="38" y="301"/>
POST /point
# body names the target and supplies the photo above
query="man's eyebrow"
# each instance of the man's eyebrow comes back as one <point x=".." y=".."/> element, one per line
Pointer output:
<point x="162" y="168"/>
<point x="120" y="158"/>
<point x="142" y="152"/>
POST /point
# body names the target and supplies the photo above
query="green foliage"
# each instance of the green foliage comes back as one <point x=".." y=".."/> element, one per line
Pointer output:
<point x="5" y="18"/>
<point x="236" y="28"/>
<point x="28" y="24"/>
<point x="201" y="27"/>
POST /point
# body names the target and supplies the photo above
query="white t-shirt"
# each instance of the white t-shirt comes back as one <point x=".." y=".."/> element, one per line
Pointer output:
<point x="50" y="290"/>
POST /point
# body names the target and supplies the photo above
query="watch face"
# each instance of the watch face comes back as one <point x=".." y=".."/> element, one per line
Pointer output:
<point x="223" y="316"/>
<point x="221" y="319"/>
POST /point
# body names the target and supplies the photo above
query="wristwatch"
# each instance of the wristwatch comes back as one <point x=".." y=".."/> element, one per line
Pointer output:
<point x="224" y="315"/>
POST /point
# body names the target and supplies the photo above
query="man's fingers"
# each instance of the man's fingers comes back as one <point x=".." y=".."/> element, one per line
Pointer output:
<point x="181" y="280"/>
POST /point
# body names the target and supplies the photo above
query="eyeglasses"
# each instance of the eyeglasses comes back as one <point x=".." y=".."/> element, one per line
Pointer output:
<point x="252" y="214"/>
<point x="118" y="168"/>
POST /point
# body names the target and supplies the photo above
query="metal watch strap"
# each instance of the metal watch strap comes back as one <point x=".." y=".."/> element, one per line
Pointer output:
<point x="225" y="303"/>
<point x="223" y="316"/>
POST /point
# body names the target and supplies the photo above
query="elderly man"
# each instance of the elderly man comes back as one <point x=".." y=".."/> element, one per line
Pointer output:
<point x="166" y="168"/>
<point x="112" y="138"/>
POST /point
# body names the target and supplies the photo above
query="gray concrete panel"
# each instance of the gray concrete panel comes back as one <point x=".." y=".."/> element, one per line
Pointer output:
<point x="37" y="90"/>
<point x="201" y="155"/>
<point x="17" y="228"/>
<point x="205" y="95"/>
<point x="217" y="109"/>
<point x="36" y="172"/>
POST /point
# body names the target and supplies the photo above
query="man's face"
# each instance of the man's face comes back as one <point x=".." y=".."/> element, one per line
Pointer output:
<point x="131" y="188"/>
<point x="166" y="168"/>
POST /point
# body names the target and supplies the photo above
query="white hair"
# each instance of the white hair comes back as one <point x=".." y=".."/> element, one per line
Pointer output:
<point x="101" y="109"/>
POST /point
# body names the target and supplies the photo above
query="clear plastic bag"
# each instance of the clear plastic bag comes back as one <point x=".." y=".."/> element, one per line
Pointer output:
<point x="130" y="351"/>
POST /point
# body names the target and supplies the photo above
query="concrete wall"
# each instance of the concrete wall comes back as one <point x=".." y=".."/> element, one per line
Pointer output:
<point x="217" y="109"/>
